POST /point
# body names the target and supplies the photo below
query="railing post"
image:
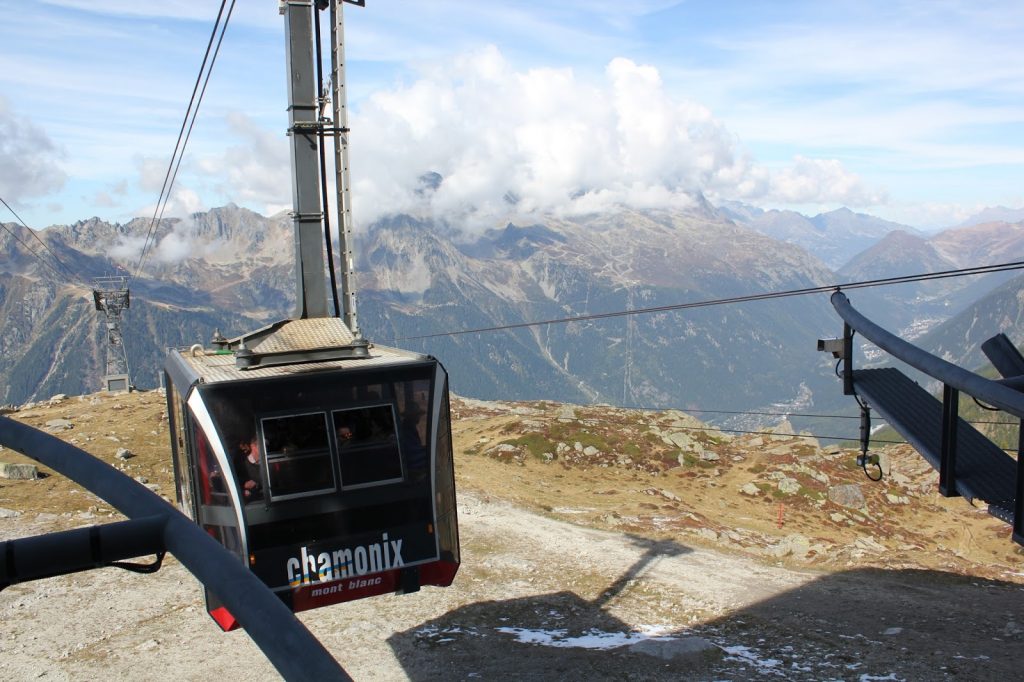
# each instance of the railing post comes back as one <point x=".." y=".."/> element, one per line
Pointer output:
<point x="847" y="359"/>
<point x="1018" y="501"/>
<point x="947" y="456"/>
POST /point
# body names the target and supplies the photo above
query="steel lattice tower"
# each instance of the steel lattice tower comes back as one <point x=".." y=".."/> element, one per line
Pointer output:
<point x="112" y="298"/>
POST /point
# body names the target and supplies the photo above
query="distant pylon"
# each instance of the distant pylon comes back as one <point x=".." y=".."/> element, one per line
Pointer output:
<point x="112" y="297"/>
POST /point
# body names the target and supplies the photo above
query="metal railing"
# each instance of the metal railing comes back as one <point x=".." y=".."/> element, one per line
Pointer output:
<point x="156" y="526"/>
<point x="988" y="391"/>
<point x="1001" y="394"/>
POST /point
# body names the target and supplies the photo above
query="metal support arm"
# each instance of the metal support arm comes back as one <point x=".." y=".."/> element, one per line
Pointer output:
<point x="81" y="549"/>
<point x="285" y="641"/>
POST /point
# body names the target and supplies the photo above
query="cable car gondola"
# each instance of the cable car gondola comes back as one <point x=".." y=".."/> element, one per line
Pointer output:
<point x="322" y="461"/>
<point x="332" y="480"/>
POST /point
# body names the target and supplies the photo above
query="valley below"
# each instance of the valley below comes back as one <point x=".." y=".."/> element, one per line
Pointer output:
<point x="597" y="543"/>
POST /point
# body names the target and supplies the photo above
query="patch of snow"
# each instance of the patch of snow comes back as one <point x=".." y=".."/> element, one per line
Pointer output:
<point x="593" y="639"/>
<point x="753" y="657"/>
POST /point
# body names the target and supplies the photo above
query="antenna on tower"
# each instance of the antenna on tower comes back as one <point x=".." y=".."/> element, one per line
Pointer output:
<point x="112" y="297"/>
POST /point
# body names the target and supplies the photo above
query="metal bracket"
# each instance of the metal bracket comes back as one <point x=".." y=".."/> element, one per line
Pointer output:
<point x="864" y="459"/>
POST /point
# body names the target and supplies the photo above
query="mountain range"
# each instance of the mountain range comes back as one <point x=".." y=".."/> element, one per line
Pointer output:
<point x="422" y="283"/>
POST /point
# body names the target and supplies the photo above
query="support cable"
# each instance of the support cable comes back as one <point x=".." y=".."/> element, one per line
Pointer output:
<point x="55" y="271"/>
<point x="811" y="415"/>
<point x="183" y="136"/>
<point x="887" y="281"/>
<point x="70" y="273"/>
<point x="788" y="435"/>
<point x="321" y="139"/>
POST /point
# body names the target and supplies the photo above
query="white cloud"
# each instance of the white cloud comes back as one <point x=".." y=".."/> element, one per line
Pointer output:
<point x="153" y="174"/>
<point x="29" y="160"/>
<point x="821" y="181"/>
<point x="176" y="245"/>
<point x="557" y="143"/>
<point x="256" y="171"/>
<point x="128" y="249"/>
<point x="181" y="242"/>
<point x="181" y="203"/>
<point x="103" y="199"/>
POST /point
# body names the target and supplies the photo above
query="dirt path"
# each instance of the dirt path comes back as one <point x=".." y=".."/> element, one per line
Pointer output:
<point x="540" y="599"/>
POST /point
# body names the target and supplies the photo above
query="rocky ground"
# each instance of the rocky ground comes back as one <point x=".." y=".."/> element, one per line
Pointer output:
<point x="597" y="544"/>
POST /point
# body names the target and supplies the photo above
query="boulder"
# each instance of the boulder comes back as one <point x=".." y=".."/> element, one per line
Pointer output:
<point x="684" y="441"/>
<point x="669" y="495"/>
<point x="55" y="425"/>
<point x="869" y="545"/>
<point x="796" y="545"/>
<point x="696" y="649"/>
<point x="848" y="495"/>
<point x="124" y="453"/>
<point x="784" y="431"/>
<point x="19" y="472"/>
<point x="750" y="489"/>
<point x="789" y="486"/>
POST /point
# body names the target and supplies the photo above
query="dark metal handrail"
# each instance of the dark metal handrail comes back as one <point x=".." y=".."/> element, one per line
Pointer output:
<point x="986" y="390"/>
<point x="285" y="641"/>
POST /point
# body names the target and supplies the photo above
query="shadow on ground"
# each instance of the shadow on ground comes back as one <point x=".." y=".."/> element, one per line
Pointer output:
<point x="865" y="624"/>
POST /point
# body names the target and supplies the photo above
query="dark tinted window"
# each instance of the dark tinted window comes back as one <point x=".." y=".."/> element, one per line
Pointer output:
<point x="367" y="445"/>
<point x="298" y="455"/>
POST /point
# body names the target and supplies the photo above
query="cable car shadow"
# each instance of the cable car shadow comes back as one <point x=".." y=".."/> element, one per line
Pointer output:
<point x="858" y="624"/>
<point x="878" y="624"/>
<point x="490" y="639"/>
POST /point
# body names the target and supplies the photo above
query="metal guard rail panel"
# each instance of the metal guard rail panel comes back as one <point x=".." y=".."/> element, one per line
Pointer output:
<point x="982" y="469"/>
<point x="986" y="390"/>
<point x="987" y="472"/>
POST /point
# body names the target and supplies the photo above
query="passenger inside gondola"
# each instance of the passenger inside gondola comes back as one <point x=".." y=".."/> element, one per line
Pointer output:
<point x="298" y="456"/>
<point x="249" y="470"/>
<point x="412" y="442"/>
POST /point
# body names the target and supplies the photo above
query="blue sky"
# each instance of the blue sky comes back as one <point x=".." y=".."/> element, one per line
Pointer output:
<point x="908" y="110"/>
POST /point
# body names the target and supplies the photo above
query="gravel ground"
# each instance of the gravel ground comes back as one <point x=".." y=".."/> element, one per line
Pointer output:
<point x="540" y="599"/>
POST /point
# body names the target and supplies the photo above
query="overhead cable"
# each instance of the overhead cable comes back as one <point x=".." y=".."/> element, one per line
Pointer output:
<point x="811" y="415"/>
<point x="959" y="272"/>
<point x="70" y="274"/>
<point x="788" y="435"/>
<point x="202" y="79"/>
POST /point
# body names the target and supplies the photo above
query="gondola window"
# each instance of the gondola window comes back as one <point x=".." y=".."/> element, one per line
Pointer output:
<point x="367" y="446"/>
<point x="298" y="456"/>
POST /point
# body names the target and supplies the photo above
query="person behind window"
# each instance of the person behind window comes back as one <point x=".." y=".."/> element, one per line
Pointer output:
<point x="345" y="435"/>
<point x="249" y="471"/>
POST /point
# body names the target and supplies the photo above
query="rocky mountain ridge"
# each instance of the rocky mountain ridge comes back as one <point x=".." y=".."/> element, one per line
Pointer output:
<point x="417" y="277"/>
<point x="230" y="269"/>
<point x="835" y="237"/>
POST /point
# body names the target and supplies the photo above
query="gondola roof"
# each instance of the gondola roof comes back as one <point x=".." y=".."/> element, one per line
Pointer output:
<point x="306" y="338"/>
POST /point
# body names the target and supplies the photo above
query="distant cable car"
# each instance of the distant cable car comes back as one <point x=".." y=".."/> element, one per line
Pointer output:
<point x="322" y="461"/>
